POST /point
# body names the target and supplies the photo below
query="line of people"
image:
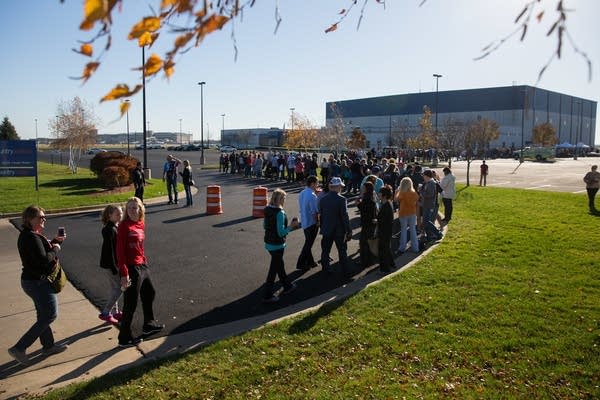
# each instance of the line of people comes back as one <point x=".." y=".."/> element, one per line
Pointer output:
<point x="327" y="210"/>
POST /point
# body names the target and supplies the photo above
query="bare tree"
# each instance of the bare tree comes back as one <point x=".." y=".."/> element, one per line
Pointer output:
<point x="452" y="136"/>
<point x="334" y="137"/>
<point x="74" y="129"/>
<point x="477" y="139"/>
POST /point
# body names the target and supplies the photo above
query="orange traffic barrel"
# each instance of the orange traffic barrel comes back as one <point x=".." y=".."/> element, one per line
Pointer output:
<point x="213" y="200"/>
<point x="259" y="201"/>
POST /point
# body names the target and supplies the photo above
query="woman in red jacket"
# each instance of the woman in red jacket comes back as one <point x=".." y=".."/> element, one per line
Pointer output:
<point x="134" y="272"/>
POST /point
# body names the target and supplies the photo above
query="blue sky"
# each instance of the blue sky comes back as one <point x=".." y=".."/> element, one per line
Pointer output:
<point x="396" y="50"/>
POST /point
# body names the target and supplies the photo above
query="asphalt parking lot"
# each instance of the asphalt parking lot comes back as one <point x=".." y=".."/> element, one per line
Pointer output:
<point x="210" y="269"/>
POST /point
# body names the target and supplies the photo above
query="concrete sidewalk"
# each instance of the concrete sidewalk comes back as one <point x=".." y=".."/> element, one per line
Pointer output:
<point x="92" y="344"/>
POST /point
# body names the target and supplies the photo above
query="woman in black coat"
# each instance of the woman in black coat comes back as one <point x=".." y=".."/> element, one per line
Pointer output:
<point x="385" y="222"/>
<point x="368" y="224"/>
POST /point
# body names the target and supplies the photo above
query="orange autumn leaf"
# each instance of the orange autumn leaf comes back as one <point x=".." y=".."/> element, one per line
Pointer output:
<point x="147" y="39"/>
<point x="148" y="24"/>
<point x="213" y="23"/>
<point x="169" y="68"/>
<point x="121" y="90"/>
<point x="86" y="49"/>
<point x="331" y="28"/>
<point x="89" y="69"/>
<point x="95" y="10"/>
<point x="182" y="40"/>
<point x="153" y="65"/>
<point x="124" y="107"/>
<point x="180" y="5"/>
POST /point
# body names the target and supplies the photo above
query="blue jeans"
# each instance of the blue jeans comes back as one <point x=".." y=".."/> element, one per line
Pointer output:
<point x="409" y="222"/>
<point x="46" y="308"/>
<point x="188" y="195"/>
<point x="172" y="189"/>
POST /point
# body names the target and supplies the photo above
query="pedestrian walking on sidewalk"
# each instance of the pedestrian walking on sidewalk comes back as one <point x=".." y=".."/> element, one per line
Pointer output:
<point x="111" y="216"/>
<point x="592" y="183"/>
<point x="39" y="257"/>
<point x="134" y="272"/>
<point x="276" y="229"/>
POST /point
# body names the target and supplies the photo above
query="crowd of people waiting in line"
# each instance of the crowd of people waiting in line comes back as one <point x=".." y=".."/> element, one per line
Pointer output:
<point x="384" y="186"/>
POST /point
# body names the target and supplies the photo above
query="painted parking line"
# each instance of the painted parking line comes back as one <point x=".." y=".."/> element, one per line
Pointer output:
<point x="580" y="191"/>
<point x="500" y="183"/>
<point x="538" y="187"/>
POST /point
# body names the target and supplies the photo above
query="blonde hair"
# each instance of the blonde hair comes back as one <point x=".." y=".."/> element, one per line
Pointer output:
<point x="277" y="197"/>
<point x="406" y="185"/>
<point x="141" y="209"/>
<point x="29" y="214"/>
<point x="107" y="212"/>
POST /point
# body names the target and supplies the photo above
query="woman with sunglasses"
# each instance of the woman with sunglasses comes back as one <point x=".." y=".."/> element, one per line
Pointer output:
<point x="38" y="257"/>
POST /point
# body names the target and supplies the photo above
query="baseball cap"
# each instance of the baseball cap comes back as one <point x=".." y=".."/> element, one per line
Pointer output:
<point x="336" y="181"/>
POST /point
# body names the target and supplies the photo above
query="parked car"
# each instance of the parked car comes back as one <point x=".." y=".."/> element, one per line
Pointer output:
<point x="227" y="149"/>
<point x="536" y="153"/>
<point x="96" y="151"/>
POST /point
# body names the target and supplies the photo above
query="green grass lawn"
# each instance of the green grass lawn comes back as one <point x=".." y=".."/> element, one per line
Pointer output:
<point x="59" y="188"/>
<point x="506" y="306"/>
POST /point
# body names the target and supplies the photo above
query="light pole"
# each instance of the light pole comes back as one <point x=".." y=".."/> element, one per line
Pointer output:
<point x="223" y="127"/>
<point x="576" y="132"/>
<point x="146" y="169"/>
<point x="180" y="136"/>
<point x="523" y="125"/>
<point x="202" y="121"/>
<point x="437" y="78"/>
<point x="36" y="156"/>
<point x="128" y="150"/>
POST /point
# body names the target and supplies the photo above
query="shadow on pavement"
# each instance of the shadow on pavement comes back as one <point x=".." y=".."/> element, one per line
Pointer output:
<point x="12" y="368"/>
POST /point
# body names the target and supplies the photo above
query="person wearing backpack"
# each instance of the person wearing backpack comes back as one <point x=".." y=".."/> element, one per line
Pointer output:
<point x="170" y="176"/>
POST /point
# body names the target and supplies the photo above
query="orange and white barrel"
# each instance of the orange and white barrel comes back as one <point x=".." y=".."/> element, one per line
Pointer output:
<point x="259" y="201"/>
<point x="213" y="200"/>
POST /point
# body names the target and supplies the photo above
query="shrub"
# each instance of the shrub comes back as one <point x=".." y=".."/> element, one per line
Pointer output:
<point x="113" y="168"/>
<point x="115" y="176"/>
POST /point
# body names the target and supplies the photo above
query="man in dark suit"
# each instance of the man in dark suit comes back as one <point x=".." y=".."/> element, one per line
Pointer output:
<point x="335" y="225"/>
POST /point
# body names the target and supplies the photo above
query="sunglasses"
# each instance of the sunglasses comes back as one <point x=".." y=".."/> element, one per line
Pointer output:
<point x="42" y="217"/>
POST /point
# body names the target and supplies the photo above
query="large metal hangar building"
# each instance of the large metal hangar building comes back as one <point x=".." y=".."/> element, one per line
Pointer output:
<point x="390" y="120"/>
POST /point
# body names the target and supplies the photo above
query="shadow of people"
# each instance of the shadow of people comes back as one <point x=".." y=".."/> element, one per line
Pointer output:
<point x="36" y="357"/>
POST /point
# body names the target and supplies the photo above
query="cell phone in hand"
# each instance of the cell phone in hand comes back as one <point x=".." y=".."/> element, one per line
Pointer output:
<point x="61" y="231"/>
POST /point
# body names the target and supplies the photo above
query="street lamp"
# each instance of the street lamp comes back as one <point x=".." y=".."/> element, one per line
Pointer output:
<point x="180" y="135"/>
<point x="223" y="127"/>
<point x="437" y="78"/>
<point x="128" y="151"/>
<point x="523" y="125"/>
<point x="576" y="131"/>
<point x="36" y="156"/>
<point x="146" y="169"/>
<point x="202" y="121"/>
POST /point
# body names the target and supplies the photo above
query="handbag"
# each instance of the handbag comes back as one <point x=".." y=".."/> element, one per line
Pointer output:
<point x="374" y="246"/>
<point x="57" y="278"/>
<point x="192" y="183"/>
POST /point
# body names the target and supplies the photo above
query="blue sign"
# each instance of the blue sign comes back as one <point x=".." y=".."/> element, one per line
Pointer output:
<point x="18" y="158"/>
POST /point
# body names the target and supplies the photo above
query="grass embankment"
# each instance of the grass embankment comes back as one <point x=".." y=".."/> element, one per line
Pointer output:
<point x="506" y="306"/>
<point x="59" y="189"/>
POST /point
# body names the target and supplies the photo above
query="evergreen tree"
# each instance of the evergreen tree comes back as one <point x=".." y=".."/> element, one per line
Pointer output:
<point x="8" y="131"/>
